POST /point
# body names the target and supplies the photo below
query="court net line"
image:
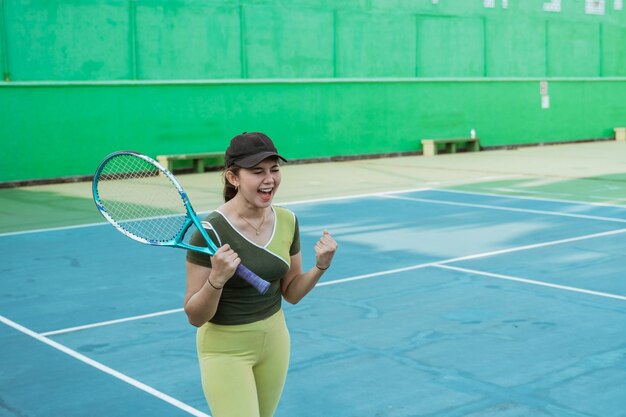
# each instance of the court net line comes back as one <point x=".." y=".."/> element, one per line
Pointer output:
<point x="103" y="368"/>
<point x="399" y="270"/>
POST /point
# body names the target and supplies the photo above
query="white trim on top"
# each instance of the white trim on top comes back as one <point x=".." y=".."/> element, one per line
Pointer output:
<point x="263" y="247"/>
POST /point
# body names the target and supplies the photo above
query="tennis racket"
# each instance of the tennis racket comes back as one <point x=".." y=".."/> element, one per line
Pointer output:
<point x="144" y="201"/>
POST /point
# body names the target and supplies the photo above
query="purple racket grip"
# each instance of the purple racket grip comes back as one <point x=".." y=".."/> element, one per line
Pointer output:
<point x="253" y="279"/>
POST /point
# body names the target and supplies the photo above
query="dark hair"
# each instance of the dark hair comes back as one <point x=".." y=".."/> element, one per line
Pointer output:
<point x="229" y="190"/>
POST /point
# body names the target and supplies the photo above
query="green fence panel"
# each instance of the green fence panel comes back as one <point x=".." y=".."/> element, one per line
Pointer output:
<point x="68" y="40"/>
<point x="4" y="56"/>
<point x="573" y="49"/>
<point x="178" y="40"/>
<point x="613" y="51"/>
<point x="450" y="47"/>
<point x="288" y="42"/>
<point x="375" y="45"/>
<point x="88" y="40"/>
<point x="516" y="47"/>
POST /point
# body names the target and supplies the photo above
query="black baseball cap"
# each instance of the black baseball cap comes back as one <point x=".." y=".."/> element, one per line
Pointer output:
<point x="250" y="148"/>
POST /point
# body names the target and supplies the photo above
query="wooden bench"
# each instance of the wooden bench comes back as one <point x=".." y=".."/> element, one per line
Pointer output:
<point x="430" y="147"/>
<point x="620" y="134"/>
<point x="199" y="160"/>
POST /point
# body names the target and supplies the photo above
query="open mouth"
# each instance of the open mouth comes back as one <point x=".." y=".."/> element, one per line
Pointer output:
<point x="266" y="193"/>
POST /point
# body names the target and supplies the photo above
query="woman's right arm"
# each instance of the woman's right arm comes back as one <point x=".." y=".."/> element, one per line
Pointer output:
<point x="204" y="285"/>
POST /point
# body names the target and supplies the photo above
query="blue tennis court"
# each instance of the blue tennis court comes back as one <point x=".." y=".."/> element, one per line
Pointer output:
<point x="440" y="303"/>
<point x="467" y="156"/>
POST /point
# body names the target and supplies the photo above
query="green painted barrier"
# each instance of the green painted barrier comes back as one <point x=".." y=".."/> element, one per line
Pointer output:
<point x="82" y="78"/>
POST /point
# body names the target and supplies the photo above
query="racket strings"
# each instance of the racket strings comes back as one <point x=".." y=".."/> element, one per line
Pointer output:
<point x="141" y="199"/>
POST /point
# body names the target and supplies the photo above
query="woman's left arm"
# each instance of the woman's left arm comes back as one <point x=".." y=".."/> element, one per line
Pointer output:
<point x="296" y="284"/>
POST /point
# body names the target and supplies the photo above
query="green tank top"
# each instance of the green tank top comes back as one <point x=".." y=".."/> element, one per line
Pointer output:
<point x="240" y="303"/>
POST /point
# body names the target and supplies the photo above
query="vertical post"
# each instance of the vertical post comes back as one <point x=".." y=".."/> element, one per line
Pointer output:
<point x="601" y="50"/>
<point x="335" y="43"/>
<point x="132" y="28"/>
<point x="417" y="45"/>
<point x="4" y="44"/>
<point x="547" y="49"/>
<point x="485" y="46"/>
<point x="242" y="43"/>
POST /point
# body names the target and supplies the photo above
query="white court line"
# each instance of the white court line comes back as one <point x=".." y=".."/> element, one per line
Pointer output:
<point x="51" y="229"/>
<point x="288" y="203"/>
<point x="475" y="256"/>
<point x="356" y="196"/>
<point x="106" y="323"/>
<point x="522" y="197"/>
<point x="375" y="274"/>
<point x="532" y="281"/>
<point x="140" y="385"/>
<point x="391" y="195"/>
<point x="500" y="208"/>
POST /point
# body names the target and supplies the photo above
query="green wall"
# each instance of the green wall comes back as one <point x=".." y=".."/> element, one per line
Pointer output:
<point x="64" y="130"/>
<point x="174" y="39"/>
<point x="324" y="78"/>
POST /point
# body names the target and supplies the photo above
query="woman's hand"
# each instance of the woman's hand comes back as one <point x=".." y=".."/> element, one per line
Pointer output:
<point x="325" y="251"/>
<point x="295" y="285"/>
<point x="223" y="265"/>
<point x="204" y="285"/>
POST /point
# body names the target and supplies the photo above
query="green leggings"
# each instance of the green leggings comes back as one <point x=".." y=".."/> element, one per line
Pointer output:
<point x="244" y="367"/>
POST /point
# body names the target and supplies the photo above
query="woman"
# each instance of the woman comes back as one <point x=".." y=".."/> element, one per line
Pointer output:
<point x="242" y="340"/>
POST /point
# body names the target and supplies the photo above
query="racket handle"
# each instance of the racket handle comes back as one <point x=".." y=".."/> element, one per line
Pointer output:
<point x="253" y="279"/>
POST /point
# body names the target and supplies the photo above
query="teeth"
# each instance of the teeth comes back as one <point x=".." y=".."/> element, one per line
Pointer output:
<point x="265" y="190"/>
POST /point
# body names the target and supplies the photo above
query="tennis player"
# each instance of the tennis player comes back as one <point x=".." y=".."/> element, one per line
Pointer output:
<point x="242" y="340"/>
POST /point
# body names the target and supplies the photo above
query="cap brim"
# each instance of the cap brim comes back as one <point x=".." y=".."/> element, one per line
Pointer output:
<point x="253" y="160"/>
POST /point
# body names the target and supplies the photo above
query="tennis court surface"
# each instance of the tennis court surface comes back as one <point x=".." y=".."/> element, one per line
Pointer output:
<point x="472" y="284"/>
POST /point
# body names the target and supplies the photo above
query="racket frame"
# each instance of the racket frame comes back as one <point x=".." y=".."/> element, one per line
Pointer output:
<point x="190" y="219"/>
